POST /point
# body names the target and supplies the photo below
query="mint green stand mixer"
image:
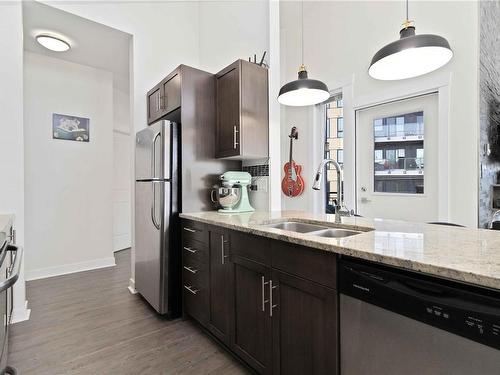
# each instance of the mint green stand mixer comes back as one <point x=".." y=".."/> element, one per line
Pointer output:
<point x="233" y="196"/>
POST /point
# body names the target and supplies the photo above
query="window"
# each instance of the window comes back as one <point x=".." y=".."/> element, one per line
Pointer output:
<point x="390" y="154"/>
<point x="334" y="147"/>
<point x="340" y="156"/>
<point x="399" y="153"/>
<point x="340" y="127"/>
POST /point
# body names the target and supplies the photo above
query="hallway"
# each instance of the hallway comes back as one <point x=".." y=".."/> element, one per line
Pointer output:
<point x="89" y="323"/>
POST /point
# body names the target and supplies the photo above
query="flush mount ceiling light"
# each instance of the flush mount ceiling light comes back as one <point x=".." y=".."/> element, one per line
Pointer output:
<point x="303" y="91"/>
<point x="53" y="43"/>
<point x="410" y="56"/>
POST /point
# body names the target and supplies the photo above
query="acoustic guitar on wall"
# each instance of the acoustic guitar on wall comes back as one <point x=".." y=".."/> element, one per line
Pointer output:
<point x="293" y="183"/>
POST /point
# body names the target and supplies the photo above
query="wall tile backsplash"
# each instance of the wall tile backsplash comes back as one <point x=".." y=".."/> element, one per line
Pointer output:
<point x="257" y="170"/>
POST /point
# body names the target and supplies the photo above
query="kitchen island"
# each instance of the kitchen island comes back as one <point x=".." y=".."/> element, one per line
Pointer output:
<point x="277" y="289"/>
<point x="462" y="254"/>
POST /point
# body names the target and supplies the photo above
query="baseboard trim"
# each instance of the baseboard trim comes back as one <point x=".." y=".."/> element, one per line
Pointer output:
<point x="131" y="286"/>
<point x="20" y="314"/>
<point x="65" y="269"/>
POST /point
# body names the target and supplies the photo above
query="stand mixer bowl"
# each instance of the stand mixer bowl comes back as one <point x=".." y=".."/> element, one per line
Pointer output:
<point x="228" y="197"/>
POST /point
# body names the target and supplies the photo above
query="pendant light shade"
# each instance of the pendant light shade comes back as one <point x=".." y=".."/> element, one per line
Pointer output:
<point x="410" y="56"/>
<point x="303" y="91"/>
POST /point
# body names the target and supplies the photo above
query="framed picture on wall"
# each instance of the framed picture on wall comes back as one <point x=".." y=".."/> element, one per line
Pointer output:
<point x="70" y="128"/>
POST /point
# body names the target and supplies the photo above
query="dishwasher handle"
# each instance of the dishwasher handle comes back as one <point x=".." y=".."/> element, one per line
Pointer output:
<point x="364" y="282"/>
<point x="16" y="268"/>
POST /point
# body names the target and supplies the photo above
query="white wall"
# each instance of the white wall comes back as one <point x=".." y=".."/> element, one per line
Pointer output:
<point x="231" y="30"/>
<point x="164" y="35"/>
<point x="208" y="35"/>
<point x="122" y="165"/>
<point x="340" y="39"/>
<point x="68" y="184"/>
<point x="11" y="132"/>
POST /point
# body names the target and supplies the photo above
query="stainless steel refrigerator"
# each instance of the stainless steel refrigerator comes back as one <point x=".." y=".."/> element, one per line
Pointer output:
<point x="157" y="195"/>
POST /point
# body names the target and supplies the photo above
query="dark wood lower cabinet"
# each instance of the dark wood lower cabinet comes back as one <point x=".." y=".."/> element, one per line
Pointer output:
<point x="252" y="335"/>
<point x="305" y="327"/>
<point x="220" y="309"/>
<point x="278" y="322"/>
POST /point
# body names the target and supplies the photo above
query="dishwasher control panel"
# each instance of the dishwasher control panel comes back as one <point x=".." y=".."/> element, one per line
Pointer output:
<point x="468" y="311"/>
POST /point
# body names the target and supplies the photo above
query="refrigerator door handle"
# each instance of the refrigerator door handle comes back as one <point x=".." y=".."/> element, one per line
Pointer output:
<point x="153" y="156"/>
<point x="153" y="204"/>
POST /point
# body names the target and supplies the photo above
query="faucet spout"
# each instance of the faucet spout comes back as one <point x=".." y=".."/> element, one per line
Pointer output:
<point x="340" y="206"/>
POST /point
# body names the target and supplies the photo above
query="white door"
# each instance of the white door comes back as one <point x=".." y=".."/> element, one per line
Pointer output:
<point x="397" y="160"/>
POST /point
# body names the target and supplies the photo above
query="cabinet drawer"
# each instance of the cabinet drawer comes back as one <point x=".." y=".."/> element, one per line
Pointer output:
<point x="310" y="264"/>
<point x="252" y="247"/>
<point x="194" y="251"/>
<point x="193" y="230"/>
<point x="195" y="292"/>
<point x="193" y="269"/>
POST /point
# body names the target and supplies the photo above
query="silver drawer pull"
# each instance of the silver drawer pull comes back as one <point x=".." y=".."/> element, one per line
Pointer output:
<point x="192" y="270"/>
<point x="191" y="289"/>
<point x="235" y="137"/>
<point x="190" y="249"/>
<point x="271" y="305"/>
<point x="263" y="292"/>
<point x="190" y="230"/>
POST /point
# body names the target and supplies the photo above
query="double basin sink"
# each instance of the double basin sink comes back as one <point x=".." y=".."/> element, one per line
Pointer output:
<point x="313" y="229"/>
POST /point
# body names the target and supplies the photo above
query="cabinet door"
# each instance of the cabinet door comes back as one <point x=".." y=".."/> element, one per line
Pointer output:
<point x="252" y="335"/>
<point x="154" y="99"/>
<point x="228" y="113"/>
<point x="172" y="93"/>
<point x="220" y="316"/>
<point x="305" y="327"/>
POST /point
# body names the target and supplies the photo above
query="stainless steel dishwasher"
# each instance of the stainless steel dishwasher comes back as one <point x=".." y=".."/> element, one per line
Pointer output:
<point x="394" y="322"/>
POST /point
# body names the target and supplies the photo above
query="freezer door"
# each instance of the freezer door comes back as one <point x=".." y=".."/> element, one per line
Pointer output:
<point x="152" y="152"/>
<point x="150" y="248"/>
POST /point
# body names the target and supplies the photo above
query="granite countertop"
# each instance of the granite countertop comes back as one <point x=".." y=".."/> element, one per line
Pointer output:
<point x="462" y="254"/>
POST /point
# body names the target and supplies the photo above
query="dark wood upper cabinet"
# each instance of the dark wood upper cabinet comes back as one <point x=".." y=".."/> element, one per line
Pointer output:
<point x="305" y="327"/>
<point x="220" y="311"/>
<point x="251" y="337"/>
<point x="171" y="87"/>
<point x="242" y="111"/>
<point x="228" y="113"/>
<point x="165" y="97"/>
<point x="155" y="111"/>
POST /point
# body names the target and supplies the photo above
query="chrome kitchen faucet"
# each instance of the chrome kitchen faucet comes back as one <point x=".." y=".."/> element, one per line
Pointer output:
<point x="340" y="207"/>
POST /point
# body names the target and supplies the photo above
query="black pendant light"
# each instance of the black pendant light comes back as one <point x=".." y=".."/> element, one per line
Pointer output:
<point x="303" y="91"/>
<point x="410" y="56"/>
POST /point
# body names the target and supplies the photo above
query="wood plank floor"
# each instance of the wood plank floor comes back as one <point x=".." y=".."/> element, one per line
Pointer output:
<point x="89" y="323"/>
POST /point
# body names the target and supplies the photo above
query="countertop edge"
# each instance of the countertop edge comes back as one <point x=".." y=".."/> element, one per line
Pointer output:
<point x="406" y="264"/>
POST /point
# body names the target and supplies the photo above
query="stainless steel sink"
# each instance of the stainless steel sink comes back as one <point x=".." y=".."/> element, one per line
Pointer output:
<point x="334" y="233"/>
<point x="294" y="226"/>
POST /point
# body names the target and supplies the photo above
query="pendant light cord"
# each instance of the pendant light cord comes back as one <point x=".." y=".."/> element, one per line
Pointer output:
<point x="407" y="19"/>
<point x="302" y="29"/>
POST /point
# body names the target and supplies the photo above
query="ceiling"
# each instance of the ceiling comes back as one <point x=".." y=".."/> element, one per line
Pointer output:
<point x="92" y="43"/>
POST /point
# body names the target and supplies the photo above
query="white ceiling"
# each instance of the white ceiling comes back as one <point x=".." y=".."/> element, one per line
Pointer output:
<point x="92" y="43"/>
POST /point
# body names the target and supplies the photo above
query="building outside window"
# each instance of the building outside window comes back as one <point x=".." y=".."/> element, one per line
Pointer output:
<point x="399" y="154"/>
<point x="334" y="147"/>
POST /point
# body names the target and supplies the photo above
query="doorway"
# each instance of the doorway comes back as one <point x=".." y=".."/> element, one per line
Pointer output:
<point x="397" y="160"/>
